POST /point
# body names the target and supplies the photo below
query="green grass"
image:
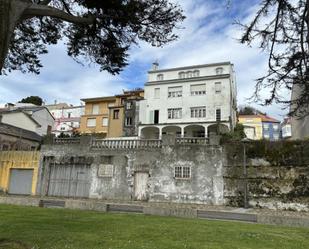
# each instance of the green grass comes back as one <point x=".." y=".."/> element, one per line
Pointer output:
<point x="26" y="227"/>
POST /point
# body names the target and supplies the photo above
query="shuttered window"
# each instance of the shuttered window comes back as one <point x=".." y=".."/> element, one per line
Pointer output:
<point x="91" y="122"/>
<point x="174" y="92"/>
<point x="199" y="89"/>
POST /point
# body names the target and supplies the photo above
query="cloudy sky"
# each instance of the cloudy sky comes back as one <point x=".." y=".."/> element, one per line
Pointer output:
<point x="207" y="35"/>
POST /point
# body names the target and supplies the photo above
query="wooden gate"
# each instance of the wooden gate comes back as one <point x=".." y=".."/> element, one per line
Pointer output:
<point x="140" y="186"/>
<point x="69" y="181"/>
<point x="20" y="181"/>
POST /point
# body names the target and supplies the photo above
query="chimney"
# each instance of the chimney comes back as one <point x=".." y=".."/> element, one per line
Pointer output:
<point x="155" y="66"/>
<point x="55" y="102"/>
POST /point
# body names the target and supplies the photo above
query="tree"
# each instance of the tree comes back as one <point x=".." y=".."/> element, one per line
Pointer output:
<point x="248" y="110"/>
<point x="36" y="100"/>
<point x="95" y="31"/>
<point x="282" y="28"/>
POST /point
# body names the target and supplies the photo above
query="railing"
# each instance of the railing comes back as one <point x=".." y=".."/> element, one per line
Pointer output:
<point x="69" y="140"/>
<point x="125" y="144"/>
<point x="192" y="140"/>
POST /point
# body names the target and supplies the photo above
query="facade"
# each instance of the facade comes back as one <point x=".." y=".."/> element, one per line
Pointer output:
<point x="33" y="118"/>
<point x="19" y="172"/>
<point x="125" y="122"/>
<point x="286" y="128"/>
<point x="188" y="101"/>
<point x="67" y="119"/>
<point x="254" y="121"/>
<point x="265" y="127"/>
<point x="96" y="117"/>
<point x="111" y="116"/>
<point x="14" y="138"/>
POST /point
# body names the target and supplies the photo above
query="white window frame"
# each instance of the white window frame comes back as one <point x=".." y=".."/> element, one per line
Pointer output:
<point x="218" y="87"/>
<point x="174" y="113"/>
<point x="91" y="125"/>
<point x="129" y="105"/>
<point x="105" y="124"/>
<point x="182" y="172"/>
<point x="160" y="77"/>
<point x="127" y="123"/>
<point x="174" y="93"/>
<point x="198" y="112"/>
<point x="219" y="70"/>
<point x="95" y="109"/>
<point x="200" y="92"/>
<point x="157" y="93"/>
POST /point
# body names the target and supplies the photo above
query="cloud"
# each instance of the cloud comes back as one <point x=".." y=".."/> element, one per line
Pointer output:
<point x="207" y="35"/>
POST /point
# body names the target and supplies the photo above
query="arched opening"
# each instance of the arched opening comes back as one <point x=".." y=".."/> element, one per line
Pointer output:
<point x="172" y="130"/>
<point x="194" y="131"/>
<point x="150" y="133"/>
<point x="216" y="129"/>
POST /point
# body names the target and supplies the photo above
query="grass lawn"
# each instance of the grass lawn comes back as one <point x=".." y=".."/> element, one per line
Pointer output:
<point x="33" y="228"/>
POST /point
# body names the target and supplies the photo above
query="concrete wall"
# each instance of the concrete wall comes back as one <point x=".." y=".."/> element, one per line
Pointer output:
<point x="204" y="186"/>
<point x="18" y="160"/>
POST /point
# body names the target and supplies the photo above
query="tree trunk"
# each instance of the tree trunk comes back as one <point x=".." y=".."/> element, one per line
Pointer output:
<point x="11" y="12"/>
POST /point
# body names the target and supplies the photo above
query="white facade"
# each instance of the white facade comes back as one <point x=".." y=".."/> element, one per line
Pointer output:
<point x="181" y="99"/>
<point x="33" y="118"/>
<point x="67" y="119"/>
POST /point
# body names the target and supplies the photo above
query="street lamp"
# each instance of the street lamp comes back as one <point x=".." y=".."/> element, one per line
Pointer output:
<point x="244" y="141"/>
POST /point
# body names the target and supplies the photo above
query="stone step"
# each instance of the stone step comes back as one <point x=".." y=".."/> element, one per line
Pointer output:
<point x="219" y="215"/>
<point x="124" y="208"/>
<point x="52" y="203"/>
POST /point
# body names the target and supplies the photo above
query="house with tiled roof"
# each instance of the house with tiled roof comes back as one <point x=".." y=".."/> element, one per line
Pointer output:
<point x="265" y="127"/>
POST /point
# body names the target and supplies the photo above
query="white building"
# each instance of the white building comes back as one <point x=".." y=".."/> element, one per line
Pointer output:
<point x="30" y="117"/>
<point x="67" y="119"/>
<point x="188" y="101"/>
<point x="286" y="128"/>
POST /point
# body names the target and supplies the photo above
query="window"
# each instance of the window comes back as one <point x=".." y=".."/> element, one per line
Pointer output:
<point x="189" y="74"/>
<point x="69" y="114"/>
<point x="276" y="136"/>
<point x="157" y="93"/>
<point x="198" y="89"/>
<point x="5" y="147"/>
<point x="116" y="114"/>
<point x="182" y="172"/>
<point x="275" y="127"/>
<point x="62" y="128"/>
<point x="160" y="77"/>
<point x="182" y="75"/>
<point x="218" y="114"/>
<point x="219" y="70"/>
<point x="198" y="112"/>
<point x="105" y="170"/>
<point x="91" y="122"/>
<point x="174" y="113"/>
<point x="128" y="121"/>
<point x="174" y="92"/>
<point x="266" y="126"/>
<point x="266" y="135"/>
<point x="128" y="105"/>
<point x="104" y="121"/>
<point x="196" y="73"/>
<point x="217" y="87"/>
<point x="95" y="109"/>
<point x="122" y="101"/>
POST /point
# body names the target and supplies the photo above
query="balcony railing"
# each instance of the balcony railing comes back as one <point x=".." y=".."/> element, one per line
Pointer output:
<point x="192" y="140"/>
<point x="67" y="140"/>
<point x="125" y="144"/>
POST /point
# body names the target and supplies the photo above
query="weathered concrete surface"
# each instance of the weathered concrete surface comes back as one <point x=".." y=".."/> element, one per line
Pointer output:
<point x="205" y="185"/>
<point x="86" y="205"/>
<point x="22" y="201"/>
<point x="175" y="212"/>
<point x="283" y="220"/>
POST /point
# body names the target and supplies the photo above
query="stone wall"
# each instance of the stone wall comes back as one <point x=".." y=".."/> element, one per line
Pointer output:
<point x="277" y="175"/>
<point x="204" y="186"/>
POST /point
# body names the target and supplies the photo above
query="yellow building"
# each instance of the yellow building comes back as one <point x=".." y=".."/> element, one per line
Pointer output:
<point x="19" y="172"/>
<point x="106" y="115"/>
<point x="96" y="117"/>
<point x="254" y="121"/>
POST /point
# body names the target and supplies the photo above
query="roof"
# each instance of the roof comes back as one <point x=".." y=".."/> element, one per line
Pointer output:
<point x="96" y="99"/>
<point x="56" y="106"/>
<point x="24" y="109"/>
<point x="19" y="132"/>
<point x="20" y="111"/>
<point x="264" y="118"/>
<point x="191" y="67"/>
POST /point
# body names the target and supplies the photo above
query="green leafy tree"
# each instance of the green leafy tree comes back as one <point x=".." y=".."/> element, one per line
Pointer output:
<point x="96" y="31"/>
<point x="36" y="100"/>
